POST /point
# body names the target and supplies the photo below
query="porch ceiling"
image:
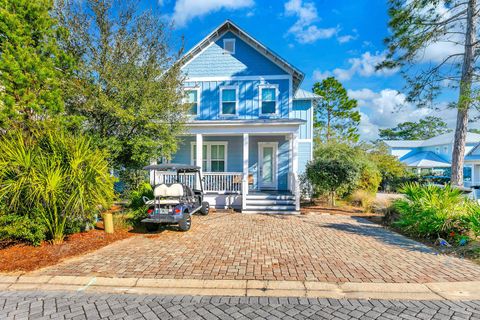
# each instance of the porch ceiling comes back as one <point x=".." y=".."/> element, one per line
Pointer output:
<point x="238" y="127"/>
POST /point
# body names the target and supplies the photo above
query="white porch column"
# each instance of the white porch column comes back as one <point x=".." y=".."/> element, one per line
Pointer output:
<point x="199" y="158"/>
<point x="296" y="181"/>
<point x="245" y="170"/>
<point x="153" y="181"/>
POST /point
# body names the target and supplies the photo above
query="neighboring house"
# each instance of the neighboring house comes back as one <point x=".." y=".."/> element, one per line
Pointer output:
<point x="251" y="125"/>
<point x="434" y="155"/>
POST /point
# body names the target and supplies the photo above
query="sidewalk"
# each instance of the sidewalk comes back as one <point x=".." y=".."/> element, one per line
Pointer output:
<point x="249" y="288"/>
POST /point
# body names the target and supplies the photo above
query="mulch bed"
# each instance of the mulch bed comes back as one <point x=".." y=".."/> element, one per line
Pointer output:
<point x="21" y="257"/>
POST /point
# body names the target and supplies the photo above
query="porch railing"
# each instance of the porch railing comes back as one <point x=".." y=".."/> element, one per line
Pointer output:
<point x="221" y="182"/>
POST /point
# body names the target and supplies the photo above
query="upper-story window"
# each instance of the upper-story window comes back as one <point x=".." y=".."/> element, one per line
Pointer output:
<point x="437" y="150"/>
<point x="192" y="98"/>
<point x="229" y="46"/>
<point x="445" y="150"/>
<point x="228" y="100"/>
<point x="268" y="99"/>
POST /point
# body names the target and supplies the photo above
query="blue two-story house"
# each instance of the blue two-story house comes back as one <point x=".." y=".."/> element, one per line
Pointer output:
<point x="251" y="125"/>
<point x="434" y="155"/>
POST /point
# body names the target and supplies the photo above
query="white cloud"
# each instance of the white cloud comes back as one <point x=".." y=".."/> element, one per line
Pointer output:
<point x="304" y="30"/>
<point x="319" y="75"/>
<point x="363" y="66"/>
<point x="388" y="108"/>
<point x="186" y="10"/>
<point x="348" y="37"/>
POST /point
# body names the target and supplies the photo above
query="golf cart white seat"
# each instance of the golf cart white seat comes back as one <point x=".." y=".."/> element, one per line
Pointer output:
<point x="173" y="193"/>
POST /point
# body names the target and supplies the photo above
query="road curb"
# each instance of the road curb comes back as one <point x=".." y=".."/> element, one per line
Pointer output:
<point x="249" y="288"/>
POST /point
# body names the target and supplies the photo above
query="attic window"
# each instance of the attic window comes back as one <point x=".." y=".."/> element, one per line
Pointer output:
<point x="229" y="46"/>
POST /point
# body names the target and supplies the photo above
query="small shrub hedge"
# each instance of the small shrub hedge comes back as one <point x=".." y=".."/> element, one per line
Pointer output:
<point x="430" y="211"/>
<point x="14" y="228"/>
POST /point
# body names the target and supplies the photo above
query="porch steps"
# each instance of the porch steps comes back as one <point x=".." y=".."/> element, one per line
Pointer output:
<point x="270" y="204"/>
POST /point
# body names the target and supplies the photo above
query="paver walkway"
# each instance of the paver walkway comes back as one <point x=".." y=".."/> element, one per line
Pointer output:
<point x="235" y="246"/>
<point x="35" y="305"/>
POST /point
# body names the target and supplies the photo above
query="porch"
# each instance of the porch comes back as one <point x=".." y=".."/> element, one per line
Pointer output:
<point x="238" y="161"/>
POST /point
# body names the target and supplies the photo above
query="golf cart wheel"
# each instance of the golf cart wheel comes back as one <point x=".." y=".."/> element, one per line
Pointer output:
<point x="152" y="227"/>
<point x="185" y="224"/>
<point x="205" y="208"/>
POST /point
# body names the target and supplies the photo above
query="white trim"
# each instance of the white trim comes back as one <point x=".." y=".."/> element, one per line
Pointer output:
<point x="240" y="78"/>
<point x="232" y="40"/>
<point x="198" y="99"/>
<point x="304" y="140"/>
<point x="268" y="86"/>
<point x="236" y="100"/>
<point x="209" y="153"/>
<point x="239" y="130"/>
<point x="275" y="164"/>
<point x="290" y="97"/>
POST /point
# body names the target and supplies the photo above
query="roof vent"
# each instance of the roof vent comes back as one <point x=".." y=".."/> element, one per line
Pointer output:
<point x="229" y="46"/>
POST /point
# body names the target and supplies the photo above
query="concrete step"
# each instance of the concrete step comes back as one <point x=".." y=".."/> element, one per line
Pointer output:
<point x="270" y="197"/>
<point x="270" y="208"/>
<point x="270" y="202"/>
<point x="283" y="212"/>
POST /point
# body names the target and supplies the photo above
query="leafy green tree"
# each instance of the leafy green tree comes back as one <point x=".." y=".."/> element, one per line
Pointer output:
<point x="127" y="88"/>
<point x="426" y="128"/>
<point x="336" y="115"/>
<point x="369" y="176"/>
<point x="33" y="67"/>
<point x="391" y="169"/>
<point x="331" y="175"/>
<point x="416" y="26"/>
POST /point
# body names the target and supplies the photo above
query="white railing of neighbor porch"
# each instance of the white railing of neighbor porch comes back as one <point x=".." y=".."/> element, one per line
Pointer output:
<point x="294" y="183"/>
<point x="221" y="182"/>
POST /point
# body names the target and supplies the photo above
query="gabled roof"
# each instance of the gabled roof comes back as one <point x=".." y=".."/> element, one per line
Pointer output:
<point x="446" y="138"/>
<point x="301" y="94"/>
<point x="228" y="25"/>
<point x="425" y="159"/>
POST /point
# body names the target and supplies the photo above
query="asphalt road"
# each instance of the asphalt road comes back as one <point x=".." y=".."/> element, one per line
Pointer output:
<point x="62" y="305"/>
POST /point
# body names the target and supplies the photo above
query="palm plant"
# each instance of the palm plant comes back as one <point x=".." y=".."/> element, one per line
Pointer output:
<point x="56" y="177"/>
<point x="432" y="211"/>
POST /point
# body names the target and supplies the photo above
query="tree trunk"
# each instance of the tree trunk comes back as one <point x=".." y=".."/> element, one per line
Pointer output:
<point x="464" y="99"/>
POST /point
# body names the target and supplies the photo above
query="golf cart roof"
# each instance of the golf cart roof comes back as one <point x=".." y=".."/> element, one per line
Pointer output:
<point x="172" y="167"/>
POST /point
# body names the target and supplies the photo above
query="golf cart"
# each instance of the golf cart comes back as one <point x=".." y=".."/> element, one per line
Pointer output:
<point x="175" y="202"/>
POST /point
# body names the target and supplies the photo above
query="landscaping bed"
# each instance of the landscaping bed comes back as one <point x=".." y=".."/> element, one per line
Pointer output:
<point x="22" y="257"/>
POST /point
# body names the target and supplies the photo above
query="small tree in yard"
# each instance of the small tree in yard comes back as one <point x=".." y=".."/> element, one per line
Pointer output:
<point x="331" y="176"/>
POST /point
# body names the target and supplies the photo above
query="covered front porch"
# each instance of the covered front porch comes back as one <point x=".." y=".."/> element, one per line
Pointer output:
<point x="242" y="159"/>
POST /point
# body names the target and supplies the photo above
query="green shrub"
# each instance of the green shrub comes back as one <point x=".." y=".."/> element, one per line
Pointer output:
<point x="54" y="176"/>
<point x="332" y="176"/>
<point x="363" y="199"/>
<point x="136" y="196"/>
<point x="432" y="211"/>
<point x="14" y="228"/>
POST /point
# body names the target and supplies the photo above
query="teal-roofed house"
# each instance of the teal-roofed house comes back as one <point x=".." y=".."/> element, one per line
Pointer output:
<point x="251" y="125"/>
<point x="434" y="155"/>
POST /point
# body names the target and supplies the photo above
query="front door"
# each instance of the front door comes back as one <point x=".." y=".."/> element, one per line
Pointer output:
<point x="267" y="165"/>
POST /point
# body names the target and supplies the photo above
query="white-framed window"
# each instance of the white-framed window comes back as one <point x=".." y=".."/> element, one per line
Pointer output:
<point x="437" y="150"/>
<point x="228" y="100"/>
<point x="192" y="98"/>
<point x="229" y="46"/>
<point x="214" y="155"/>
<point x="268" y="99"/>
<point x="445" y="150"/>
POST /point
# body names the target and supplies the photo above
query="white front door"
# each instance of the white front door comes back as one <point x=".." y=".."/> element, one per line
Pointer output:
<point x="267" y="165"/>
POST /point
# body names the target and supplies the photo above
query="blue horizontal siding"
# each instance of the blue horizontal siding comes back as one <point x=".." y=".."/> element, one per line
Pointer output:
<point x="304" y="155"/>
<point x="302" y="110"/>
<point x="248" y="98"/>
<point x="246" y="61"/>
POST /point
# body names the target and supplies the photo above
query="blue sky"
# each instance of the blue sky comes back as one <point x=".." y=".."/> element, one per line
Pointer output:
<point x="343" y="38"/>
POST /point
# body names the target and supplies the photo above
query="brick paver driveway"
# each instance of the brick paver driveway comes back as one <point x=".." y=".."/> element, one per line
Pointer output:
<point x="64" y="305"/>
<point x="236" y="246"/>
